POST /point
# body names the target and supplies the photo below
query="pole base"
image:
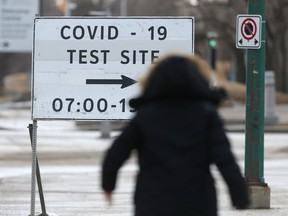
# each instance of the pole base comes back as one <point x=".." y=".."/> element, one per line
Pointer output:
<point x="259" y="196"/>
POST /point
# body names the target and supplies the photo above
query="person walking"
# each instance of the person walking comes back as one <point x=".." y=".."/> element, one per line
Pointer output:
<point x="177" y="134"/>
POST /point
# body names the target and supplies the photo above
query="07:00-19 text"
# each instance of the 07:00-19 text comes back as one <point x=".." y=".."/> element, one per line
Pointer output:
<point x="87" y="105"/>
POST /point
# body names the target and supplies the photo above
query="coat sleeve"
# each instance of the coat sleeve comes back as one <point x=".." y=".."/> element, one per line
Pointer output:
<point x="222" y="156"/>
<point x="116" y="155"/>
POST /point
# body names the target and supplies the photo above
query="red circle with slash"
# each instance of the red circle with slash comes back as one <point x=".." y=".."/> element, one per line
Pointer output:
<point x="245" y="26"/>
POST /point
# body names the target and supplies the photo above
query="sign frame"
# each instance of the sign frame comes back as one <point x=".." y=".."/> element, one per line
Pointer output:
<point x="248" y="31"/>
<point x="46" y="68"/>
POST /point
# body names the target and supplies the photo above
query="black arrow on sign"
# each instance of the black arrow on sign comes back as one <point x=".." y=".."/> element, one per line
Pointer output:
<point x="255" y="41"/>
<point x="241" y="41"/>
<point x="124" y="81"/>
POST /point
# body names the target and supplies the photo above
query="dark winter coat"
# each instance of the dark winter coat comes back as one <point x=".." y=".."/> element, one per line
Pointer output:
<point x="177" y="134"/>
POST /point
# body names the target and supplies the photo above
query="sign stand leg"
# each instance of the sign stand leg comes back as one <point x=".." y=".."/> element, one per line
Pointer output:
<point x="33" y="179"/>
<point x="38" y="175"/>
<point x="105" y="128"/>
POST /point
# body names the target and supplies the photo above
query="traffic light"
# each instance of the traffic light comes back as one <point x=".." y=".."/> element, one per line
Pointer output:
<point x="213" y="43"/>
<point x="212" y="48"/>
<point x="212" y="53"/>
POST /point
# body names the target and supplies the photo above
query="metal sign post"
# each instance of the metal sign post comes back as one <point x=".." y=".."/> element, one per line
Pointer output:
<point x="34" y="167"/>
<point x="254" y="153"/>
<point x="38" y="175"/>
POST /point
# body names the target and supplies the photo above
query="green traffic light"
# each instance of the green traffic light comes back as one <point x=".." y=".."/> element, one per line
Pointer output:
<point x="212" y="43"/>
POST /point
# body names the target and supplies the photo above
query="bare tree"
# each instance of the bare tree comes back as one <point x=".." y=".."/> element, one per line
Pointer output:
<point x="220" y="16"/>
<point x="277" y="37"/>
<point x="210" y="15"/>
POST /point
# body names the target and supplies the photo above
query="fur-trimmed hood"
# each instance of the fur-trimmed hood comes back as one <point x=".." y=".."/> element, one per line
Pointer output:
<point x="177" y="77"/>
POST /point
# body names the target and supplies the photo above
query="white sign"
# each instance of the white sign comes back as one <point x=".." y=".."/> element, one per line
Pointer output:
<point x="88" y="68"/>
<point x="248" y="31"/>
<point x="16" y="24"/>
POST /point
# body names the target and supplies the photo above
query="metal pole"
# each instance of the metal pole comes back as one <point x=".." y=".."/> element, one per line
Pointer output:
<point x="255" y="104"/>
<point x="254" y="150"/>
<point x="33" y="179"/>
<point x="38" y="175"/>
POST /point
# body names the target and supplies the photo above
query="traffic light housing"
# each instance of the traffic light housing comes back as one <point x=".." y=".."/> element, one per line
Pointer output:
<point x="212" y="52"/>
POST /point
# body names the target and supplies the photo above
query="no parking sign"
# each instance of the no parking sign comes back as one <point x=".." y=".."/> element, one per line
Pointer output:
<point x="248" y="31"/>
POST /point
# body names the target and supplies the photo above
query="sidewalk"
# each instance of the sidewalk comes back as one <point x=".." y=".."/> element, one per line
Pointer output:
<point x="234" y="118"/>
<point x="70" y="162"/>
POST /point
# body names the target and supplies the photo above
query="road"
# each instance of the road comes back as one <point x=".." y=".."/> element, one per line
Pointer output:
<point x="70" y="160"/>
